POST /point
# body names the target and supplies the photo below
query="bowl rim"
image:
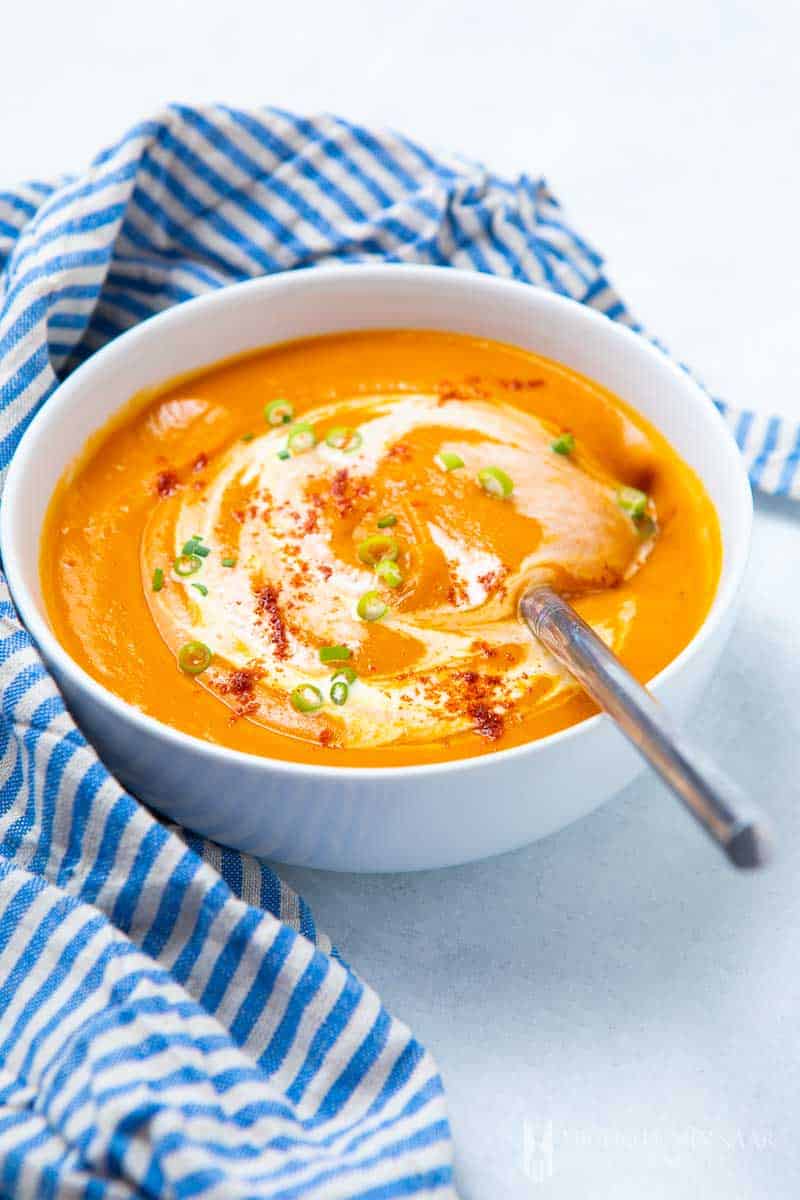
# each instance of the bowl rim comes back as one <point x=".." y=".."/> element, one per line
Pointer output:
<point x="735" y="557"/>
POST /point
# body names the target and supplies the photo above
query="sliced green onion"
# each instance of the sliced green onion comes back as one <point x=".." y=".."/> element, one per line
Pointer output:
<point x="334" y="653"/>
<point x="229" y="562"/>
<point x="386" y="522"/>
<point x="306" y="698"/>
<point x="284" y="454"/>
<point x="449" y="461"/>
<point x="194" y="657"/>
<point x="279" y="412"/>
<point x="371" y="607"/>
<point x="646" y="526"/>
<point x="345" y="673"/>
<point x="339" y="692"/>
<point x="195" y="546"/>
<point x="158" y="579"/>
<point x="248" y="437"/>
<point x="377" y="547"/>
<point x="389" y="572"/>
<point x="301" y="438"/>
<point x="345" y="439"/>
<point x="495" y="481"/>
<point x="564" y="444"/>
<point x="632" y="501"/>
<point x="201" y="588"/>
<point x="187" y="564"/>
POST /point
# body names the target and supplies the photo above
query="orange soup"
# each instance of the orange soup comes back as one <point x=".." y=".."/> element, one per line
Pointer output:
<point x="315" y="552"/>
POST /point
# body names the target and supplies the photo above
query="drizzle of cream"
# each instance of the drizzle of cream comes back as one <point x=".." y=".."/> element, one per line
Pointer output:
<point x="380" y="709"/>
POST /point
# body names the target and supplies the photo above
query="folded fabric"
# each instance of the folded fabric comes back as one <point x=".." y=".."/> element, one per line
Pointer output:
<point x="171" y="1021"/>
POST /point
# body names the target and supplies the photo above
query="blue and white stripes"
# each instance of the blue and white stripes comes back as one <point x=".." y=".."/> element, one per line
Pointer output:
<point x="170" y="1021"/>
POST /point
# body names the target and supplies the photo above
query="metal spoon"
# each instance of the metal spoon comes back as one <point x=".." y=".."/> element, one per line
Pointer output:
<point x="715" y="801"/>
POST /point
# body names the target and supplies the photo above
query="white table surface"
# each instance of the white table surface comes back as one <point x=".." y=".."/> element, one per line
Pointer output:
<point x="617" y="986"/>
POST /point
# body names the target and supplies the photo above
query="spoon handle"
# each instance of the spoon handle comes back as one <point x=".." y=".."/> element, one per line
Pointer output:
<point x="715" y="801"/>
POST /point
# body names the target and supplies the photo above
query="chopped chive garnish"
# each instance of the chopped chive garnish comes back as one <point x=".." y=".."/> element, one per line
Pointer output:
<point x="632" y="501"/>
<point x="229" y="562"/>
<point x="346" y="673"/>
<point x="449" y="461"/>
<point x="195" y="546"/>
<point x="386" y="522"/>
<point x="158" y="579"/>
<point x="564" y="444"/>
<point x="377" y="547"/>
<point x="279" y="412"/>
<point x="334" y="653"/>
<point x="301" y="438"/>
<point x="339" y="692"/>
<point x="194" y="657"/>
<point x="345" y="439"/>
<point x="495" y="481"/>
<point x="389" y="572"/>
<point x="371" y="607"/>
<point x="201" y="588"/>
<point x="283" y="455"/>
<point x="306" y="698"/>
<point x="187" y="564"/>
<point x="248" y="437"/>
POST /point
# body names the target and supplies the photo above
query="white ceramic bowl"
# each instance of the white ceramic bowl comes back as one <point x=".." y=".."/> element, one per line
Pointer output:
<point x="370" y="819"/>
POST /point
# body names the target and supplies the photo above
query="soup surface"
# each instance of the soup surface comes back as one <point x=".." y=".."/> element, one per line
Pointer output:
<point x="316" y="552"/>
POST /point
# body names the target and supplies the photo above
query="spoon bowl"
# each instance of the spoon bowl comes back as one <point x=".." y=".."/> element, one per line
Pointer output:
<point x="370" y="819"/>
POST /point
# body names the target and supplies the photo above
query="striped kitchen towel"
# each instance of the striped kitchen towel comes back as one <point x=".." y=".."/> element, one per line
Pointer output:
<point x="171" y="1022"/>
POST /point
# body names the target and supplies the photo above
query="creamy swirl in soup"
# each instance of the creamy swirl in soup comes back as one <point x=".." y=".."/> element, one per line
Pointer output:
<point x="325" y="545"/>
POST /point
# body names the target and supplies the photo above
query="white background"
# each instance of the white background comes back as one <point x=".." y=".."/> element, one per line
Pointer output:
<point x="617" y="981"/>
